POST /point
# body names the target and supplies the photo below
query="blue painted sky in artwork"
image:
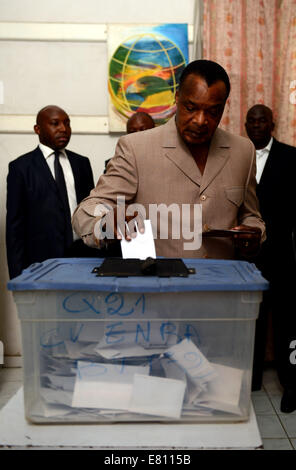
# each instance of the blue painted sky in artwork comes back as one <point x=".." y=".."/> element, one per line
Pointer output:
<point x="142" y="59"/>
<point x="176" y="32"/>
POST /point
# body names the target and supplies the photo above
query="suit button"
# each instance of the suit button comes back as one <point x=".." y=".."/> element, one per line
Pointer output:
<point x="206" y="228"/>
<point x="203" y="197"/>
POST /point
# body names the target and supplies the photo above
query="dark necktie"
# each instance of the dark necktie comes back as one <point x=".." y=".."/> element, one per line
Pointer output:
<point x="61" y="184"/>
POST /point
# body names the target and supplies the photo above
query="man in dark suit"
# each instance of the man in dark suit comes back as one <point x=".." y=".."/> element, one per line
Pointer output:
<point x="43" y="189"/>
<point x="276" y="192"/>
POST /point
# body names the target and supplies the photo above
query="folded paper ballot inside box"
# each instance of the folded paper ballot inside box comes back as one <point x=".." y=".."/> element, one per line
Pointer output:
<point x="224" y="390"/>
<point x="188" y="381"/>
<point x="149" y="348"/>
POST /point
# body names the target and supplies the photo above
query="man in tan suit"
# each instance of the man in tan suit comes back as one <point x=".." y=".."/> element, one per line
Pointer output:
<point x="186" y="162"/>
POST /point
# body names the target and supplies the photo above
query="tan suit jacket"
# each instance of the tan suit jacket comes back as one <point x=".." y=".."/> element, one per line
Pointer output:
<point x="156" y="167"/>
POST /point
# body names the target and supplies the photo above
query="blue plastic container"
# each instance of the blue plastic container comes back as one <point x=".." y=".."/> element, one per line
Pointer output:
<point x="107" y="349"/>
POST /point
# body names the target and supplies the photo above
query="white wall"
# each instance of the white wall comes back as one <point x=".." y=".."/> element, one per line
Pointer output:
<point x="98" y="11"/>
<point x="71" y="74"/>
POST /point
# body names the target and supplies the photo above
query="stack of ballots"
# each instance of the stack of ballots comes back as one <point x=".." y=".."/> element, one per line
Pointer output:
<point x="135" y="382"/>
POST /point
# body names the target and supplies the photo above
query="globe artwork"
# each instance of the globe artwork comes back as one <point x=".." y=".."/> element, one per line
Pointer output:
<point x="144" y="73"/>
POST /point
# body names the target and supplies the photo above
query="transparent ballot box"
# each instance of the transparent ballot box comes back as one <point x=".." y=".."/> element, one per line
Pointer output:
<point x="144" y="348"/>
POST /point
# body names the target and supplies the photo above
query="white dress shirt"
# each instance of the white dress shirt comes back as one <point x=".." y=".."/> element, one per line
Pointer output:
<point x="68" y="174"/>
<point x="261" y="157"/>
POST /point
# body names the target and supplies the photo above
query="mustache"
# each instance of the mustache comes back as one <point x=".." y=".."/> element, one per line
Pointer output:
<point x="200" y="129"/>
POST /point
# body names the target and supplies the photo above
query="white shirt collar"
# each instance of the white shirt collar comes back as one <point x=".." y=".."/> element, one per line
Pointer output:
<point x="47" y="151"/>
<point x="266" y="149"/>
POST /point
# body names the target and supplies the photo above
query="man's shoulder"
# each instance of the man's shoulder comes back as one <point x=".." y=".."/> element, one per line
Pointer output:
<point x="25" y="159"/>
<point x="281" y="146"/>
<point x="144" y="136"/>
<point x="233" y="139"/>
<point x="76" y="156"/>
<point x="284" y="156"/>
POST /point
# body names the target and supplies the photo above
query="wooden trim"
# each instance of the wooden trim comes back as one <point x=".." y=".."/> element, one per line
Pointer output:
<point x="23" y="124"/>
<point x="73" y="32"/>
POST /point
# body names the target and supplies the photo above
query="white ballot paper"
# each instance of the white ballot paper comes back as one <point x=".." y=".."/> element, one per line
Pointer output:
<point x="56" y="397"/>
<point x="140" y="247"/>
<point x="173" y="371"/>
<point x="60" y="382"/>
<point x="100" y="385"/>
<point x="81" y="350"/>
<point x="192" y="361"/>
<point x="157" y="396"/>
<point x="132" y="351"/>
<point x="223" y="392"/>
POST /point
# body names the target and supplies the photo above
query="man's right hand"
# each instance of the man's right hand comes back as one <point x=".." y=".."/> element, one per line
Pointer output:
<point x="119" y="223"/>
<point x="125" y="225"/>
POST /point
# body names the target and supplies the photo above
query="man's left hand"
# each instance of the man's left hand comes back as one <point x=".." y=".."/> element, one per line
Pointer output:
<point x="247" y="244"/>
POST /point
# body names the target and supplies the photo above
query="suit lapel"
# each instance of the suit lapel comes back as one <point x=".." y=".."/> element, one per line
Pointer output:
<point x="178" y="153"/>
<point x="219" y="153"/>
<point x="43" y="171"/>
<point x="270" y="167"/>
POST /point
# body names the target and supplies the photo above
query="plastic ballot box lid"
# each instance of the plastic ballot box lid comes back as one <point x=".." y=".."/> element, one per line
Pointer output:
<point x="77" y="274"/>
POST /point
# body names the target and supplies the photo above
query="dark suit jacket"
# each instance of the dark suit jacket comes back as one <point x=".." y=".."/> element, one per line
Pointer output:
<point x="35" y="222"/>
<point x="276" y="192"/>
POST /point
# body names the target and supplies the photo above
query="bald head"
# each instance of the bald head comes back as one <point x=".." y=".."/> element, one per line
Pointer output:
<point x="259" y="125"/>
<point x="48" y="110"/>
<point x="53" y="127"/>
<point x="139" y="122"/>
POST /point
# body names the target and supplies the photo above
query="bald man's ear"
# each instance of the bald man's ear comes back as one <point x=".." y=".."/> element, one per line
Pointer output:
<point x="177" y="96"/>
<point x="272" y="126"/>
<point x="37" y="129"/>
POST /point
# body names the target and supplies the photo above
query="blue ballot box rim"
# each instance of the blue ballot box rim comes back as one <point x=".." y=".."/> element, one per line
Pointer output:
<point x="76" y="274"/>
